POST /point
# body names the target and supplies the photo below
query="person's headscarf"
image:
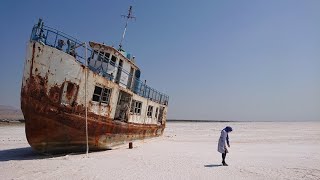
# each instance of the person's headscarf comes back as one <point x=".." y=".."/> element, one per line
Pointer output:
<point x="228" y="129"/>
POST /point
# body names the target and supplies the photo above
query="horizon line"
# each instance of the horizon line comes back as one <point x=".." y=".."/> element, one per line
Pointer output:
<point x="206" y="120"/>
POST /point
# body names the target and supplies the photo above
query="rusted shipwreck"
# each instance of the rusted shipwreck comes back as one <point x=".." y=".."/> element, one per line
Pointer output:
<point x="70" y="99"/>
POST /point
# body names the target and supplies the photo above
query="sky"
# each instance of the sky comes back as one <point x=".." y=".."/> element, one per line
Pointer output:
<point x="217" y="60"/>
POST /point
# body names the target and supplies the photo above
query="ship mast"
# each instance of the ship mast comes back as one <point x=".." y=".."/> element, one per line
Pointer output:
<point x="128" y="16"/>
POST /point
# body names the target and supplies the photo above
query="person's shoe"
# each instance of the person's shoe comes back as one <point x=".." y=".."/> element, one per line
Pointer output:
<point x="224" y="164"/>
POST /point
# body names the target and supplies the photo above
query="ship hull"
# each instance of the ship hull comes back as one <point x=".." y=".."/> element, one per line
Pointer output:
<point x="49" y="129"/>
<point x="52" y="102"/>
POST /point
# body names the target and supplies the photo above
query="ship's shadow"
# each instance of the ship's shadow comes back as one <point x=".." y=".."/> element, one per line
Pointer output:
<point x="26" y="153"/>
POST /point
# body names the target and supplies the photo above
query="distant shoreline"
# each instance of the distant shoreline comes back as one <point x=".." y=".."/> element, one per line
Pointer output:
<point x="225" y="121"/>
<point x="22" y="121"/>
<point x="189" y="120"/>
<point x="4" y="121"/>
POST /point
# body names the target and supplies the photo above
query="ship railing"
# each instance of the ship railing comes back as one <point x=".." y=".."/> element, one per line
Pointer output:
<point x="57" y="39"/>
<point x="70" y="45"/>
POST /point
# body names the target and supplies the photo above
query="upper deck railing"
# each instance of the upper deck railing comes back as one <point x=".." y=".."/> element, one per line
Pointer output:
<point x="70" y="45"/>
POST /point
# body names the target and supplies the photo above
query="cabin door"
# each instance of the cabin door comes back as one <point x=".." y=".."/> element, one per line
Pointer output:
<point x="136" y="81"/>
<point x="160" y="117"/>
<point x="123" y="106"/>
<point x="119" y="72"/>
<point x="130" y="78"/>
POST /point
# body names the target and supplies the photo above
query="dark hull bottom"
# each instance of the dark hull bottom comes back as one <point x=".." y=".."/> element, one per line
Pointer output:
<point x="50" y="130"/>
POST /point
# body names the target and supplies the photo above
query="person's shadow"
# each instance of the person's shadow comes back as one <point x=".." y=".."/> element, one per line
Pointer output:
<point x="212" y="165"/>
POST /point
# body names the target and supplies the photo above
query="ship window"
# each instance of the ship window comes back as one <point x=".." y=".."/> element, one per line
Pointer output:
<point x="94" y="55"/>
<point x="120" y="63"/>
<point x="101" y="95"/>
<point x="156" y="115"/>
<point x="106" y="60"/>
<point x="150" y="109"/>
<point x="97" y="94"/>
<point x="136" y="107"/>
<point x="107" y="55"/>
<point x="106" y="95"/>
<point x="100" y="57"/>
<point x="113" y="59"/>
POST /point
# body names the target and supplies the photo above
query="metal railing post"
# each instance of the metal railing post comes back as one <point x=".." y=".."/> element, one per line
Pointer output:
<point x="57" y="34"/>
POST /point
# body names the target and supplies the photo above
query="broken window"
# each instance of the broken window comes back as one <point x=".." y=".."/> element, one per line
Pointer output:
<point x="113" y="60"/>
<point x="136" y="107"/>
<point x="94" y="55"/>
<point x="106" y="95"/>
<point x="156" y="115"/>
<point x="96" y="94"/>
<point x="107" y="55"/>
<point x="150" y="110"/>
<point x="101" y="95"/>
<point x="100" y="57"/>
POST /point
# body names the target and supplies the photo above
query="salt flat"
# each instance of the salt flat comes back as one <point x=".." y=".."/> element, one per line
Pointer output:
<point x="259" y="150"/>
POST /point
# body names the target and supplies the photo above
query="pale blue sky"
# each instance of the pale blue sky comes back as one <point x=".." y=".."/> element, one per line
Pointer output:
<point x="222" y="60"/>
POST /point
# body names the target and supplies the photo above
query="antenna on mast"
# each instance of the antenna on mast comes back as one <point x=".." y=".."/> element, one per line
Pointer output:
<point x="128" y="16"/>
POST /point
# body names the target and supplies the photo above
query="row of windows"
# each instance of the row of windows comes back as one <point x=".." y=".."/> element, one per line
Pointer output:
<point x="103" y="95"/>
<point x="136" y="109"/>
<point x="102" y="56"/>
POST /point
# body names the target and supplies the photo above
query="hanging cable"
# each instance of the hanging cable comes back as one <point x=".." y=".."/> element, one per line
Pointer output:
<point x="85" y="96"/>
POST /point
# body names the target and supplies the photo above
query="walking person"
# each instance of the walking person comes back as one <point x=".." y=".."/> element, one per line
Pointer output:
<point x="223" y="141"/>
